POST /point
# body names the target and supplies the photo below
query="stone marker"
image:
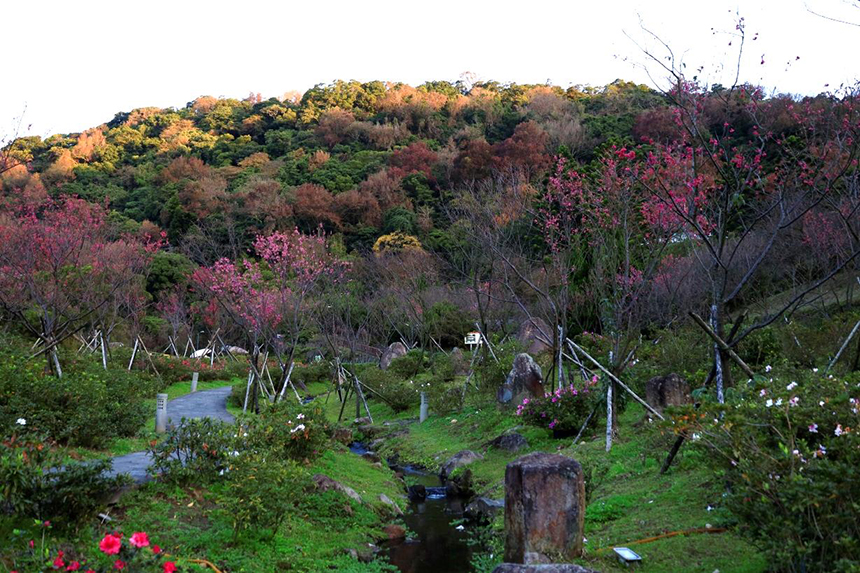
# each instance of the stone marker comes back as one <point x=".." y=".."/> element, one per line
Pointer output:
<point x="525" y="380"/>
<point x="530" y="336"/>
<point x="544" y="509"/>
<point x="194" y="378"/>
<point x="670" y="390"/>
<point x="395" y="350"/>
<point x="424" y="409"/>
<point x="460" y="362"/>
<point x="160" y="413"/>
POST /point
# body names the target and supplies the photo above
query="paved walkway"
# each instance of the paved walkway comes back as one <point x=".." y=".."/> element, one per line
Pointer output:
<point x="202" y="404"/>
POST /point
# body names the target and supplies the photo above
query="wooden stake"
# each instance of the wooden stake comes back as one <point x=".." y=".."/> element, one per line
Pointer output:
<point x="133" y="354"/>
<point x="842" y="348"/>
<point x="722" y="344"/>
<point x="615" y="379"/>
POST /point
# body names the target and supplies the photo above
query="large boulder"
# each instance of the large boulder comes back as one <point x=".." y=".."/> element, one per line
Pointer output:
<point x="535" y="335"/>
<point x="510" y="442"/>
<point x="458" y="460"/>
<point x="525" y="380"/>
<point x="545" y="568"/>
<point x="544" y="509"/>
<point x="395" y="350"/>
<point x="460" y="362"/>
<point x="325" y="483"/>
<point x="663" y="391"/>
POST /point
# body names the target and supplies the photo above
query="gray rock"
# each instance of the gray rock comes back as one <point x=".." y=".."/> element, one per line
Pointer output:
<point x="460" y="459"/>
<point x="395" y="350"/>
<point x="484" y="508"/>
<point x="325" y="483"/>
<point x="510" y="442"/>
<point x="460" y="362"/>
<point x="525" y="380"/>
<point x="544" y="509"/>
<point x="545" y="568"/>
<point x="670" y="390"/>
<point x="535" y="335"/>
<point x="390" y="503"/>
<point x="372" y="457"/>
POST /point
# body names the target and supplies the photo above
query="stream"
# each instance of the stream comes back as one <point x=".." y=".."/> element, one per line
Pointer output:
<point x="437" y="546"/>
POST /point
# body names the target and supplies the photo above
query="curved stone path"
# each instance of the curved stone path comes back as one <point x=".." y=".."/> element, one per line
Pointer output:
<point x="202" y="404"/>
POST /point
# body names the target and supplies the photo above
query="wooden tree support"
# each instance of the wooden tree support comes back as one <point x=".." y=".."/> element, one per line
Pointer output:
<point x="723" y="346"/>
<point x="615" y="379"/>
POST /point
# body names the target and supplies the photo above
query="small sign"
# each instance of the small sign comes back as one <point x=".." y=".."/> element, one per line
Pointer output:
<point x="473" y="339"/>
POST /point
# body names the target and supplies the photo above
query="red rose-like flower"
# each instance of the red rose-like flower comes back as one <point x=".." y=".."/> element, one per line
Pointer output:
<point x="139" y="539"/>
<point x="73" y="566"/>
<point x="169" y="567"/>
<point x="110" y="544"/>
<point x="119" y="564"/>
<point x="156" y="549"/>
<point x="59" y="563"/>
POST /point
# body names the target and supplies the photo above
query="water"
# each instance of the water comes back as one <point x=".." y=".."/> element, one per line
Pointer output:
<point x="437" y="545"/>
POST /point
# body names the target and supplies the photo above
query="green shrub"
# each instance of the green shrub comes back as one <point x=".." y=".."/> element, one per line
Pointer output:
<point x="87" y="407"/>
<point x="409" y="364"/>
<point x="262" y="491"/>
<point x="398" y="393"/>
<point x="37" y="483"/>
<point x="790" y="450"/>
<point x="442" y="367"/>
<point x="195" y="451"/>
<point x="312" y="373"/>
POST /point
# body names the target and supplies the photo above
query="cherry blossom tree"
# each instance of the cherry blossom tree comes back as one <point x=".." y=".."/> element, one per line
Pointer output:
<point x="60" y="264"/>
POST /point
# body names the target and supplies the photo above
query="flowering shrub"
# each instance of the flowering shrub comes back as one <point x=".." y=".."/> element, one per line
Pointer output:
<point x="790" y="449"/>
<point x="562" y="411"/>
<point x="135" y="554"/>
<point x="287" y="430"/>
<point x="194" y="451"/>
<point x="37" y="483"/>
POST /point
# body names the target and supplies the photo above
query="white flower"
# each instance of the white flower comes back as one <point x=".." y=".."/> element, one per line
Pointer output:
<point x="696" y="436"/>
<point x="821" y="403"/>
<point x="779" y="402"/>
<point x="459" y="528"/>
<point x="791" y="386"/>
<point x="768" y="368"/>
<point x="298" y="428"/>
<point x="794" y="401"/>
<point x="763" y="393"/>
<point x="769" y="403"/>
<point x="813" y="428"/>
<point x="21" y="422"/>
<point x="815" y="369"/>
<point x="838" y="431"/>
<point x="300" y="417"/>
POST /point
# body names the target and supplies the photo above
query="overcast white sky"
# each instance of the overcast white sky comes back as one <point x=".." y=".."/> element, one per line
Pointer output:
<point x="74" y="64"/>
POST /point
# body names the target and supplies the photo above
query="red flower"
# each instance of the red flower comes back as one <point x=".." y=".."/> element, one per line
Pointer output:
<point x="58" y="562"/>
<point x="110" y="544"/>
<point x="73" y="566"/>
<point x="139" y="539"/>
<point x="119" y="564"/>
<point x="169" y="567"/>
<point x="156" y="549"/>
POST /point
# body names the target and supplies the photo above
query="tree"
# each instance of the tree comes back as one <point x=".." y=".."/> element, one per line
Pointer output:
<point x="60" y="264"/>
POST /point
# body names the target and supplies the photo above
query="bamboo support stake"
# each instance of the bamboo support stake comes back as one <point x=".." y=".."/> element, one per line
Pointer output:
<point x="842" y="348"/>
<point x="723" y="346"/>
<point x="133" y="354"/>
<point x="616" y="380"/>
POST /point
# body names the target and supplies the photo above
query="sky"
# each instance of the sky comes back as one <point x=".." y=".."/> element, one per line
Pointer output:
<point x="72" y="65"/>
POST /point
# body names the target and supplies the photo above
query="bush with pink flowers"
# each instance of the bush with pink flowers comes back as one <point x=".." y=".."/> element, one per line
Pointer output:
<point x="562" y="411"/>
